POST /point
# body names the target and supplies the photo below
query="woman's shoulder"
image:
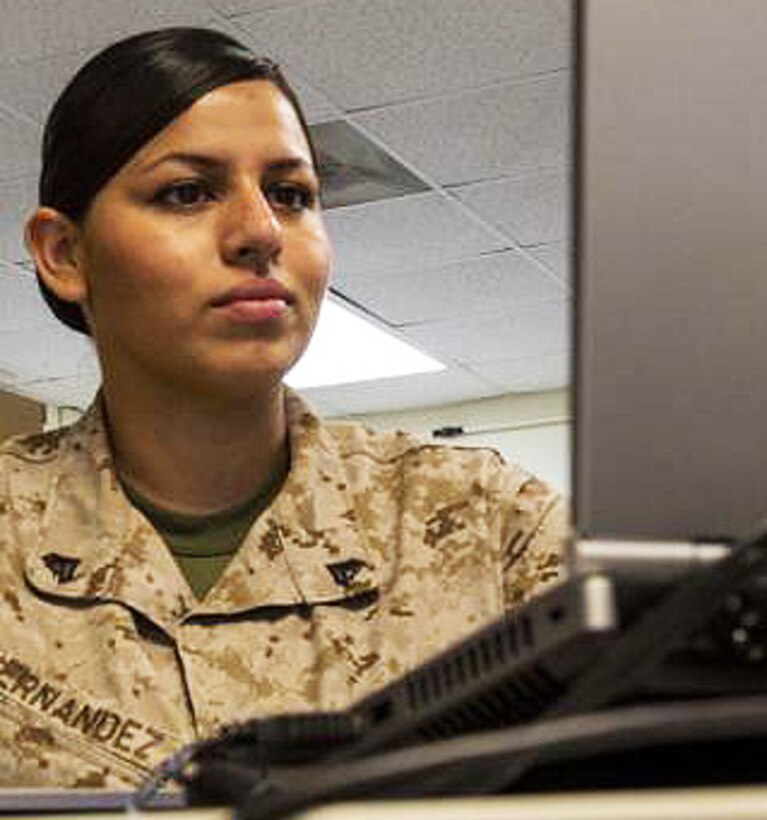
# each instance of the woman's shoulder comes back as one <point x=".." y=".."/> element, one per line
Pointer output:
<point x="377" y="456"/>
<point x="33" y="448"/>
<point x="407" y="453"/>
<point x="85" y="435"/>
<point x="31" y="461"/>
<point x="354" y="440"/>
<point x="28" y="464"/>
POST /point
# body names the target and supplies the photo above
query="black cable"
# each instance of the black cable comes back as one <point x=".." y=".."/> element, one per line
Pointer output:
<point x="171" y="769"/>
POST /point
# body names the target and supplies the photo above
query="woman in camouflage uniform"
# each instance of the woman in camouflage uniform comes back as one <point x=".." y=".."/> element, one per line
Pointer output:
<point x="200" y="547"/>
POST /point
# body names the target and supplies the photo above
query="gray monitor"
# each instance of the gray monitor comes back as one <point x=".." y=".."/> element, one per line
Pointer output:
<point x="671" y="260"/>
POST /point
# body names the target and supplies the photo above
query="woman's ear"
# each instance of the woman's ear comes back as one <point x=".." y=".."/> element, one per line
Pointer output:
<point x="52" y="240"/>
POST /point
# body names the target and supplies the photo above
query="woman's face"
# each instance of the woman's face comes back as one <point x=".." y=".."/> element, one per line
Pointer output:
<point x="205" y="257"/>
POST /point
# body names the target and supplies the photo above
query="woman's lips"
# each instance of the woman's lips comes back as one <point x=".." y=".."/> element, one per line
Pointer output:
<point x="255" y="302"/>
<point x="256" y="310"/>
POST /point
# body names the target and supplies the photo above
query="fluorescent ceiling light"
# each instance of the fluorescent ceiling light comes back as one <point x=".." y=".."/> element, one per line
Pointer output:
<point x="347" y="348"/>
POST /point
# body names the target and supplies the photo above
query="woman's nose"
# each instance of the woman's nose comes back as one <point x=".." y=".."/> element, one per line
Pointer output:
<point x="252" y="231"/>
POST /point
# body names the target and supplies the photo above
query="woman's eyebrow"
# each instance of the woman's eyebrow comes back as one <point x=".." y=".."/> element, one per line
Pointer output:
<point x="208" y="162"/>
<point x="290" y="164"/>
<point x="202" y="161"/>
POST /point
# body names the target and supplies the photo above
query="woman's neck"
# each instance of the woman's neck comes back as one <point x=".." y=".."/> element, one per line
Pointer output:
<point x="193" y="454"/>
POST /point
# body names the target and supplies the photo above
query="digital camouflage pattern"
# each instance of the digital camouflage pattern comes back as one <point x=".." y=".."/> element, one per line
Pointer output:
<point x="378" y="552"/>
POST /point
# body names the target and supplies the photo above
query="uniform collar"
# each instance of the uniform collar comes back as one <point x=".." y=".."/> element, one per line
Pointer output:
<point x="308" y="540"/>
<point x="305" y="548"/>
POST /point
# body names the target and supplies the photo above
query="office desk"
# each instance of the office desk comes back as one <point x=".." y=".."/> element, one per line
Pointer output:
<point x="741" y="803"/>
<point x="732" y="803"/>
<point x="186" y="814"/>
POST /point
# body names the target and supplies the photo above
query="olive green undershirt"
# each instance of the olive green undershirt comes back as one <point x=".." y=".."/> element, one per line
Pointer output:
<point x="203" y="544"/>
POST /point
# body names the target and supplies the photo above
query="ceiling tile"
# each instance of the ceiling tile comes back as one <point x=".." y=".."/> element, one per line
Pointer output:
<point x="21" y="305"/>
<point x="20" y="143"/>
<point x="315" y="106"/>
<point x="532" y="373"/>
<point x="450" y="385"/>
<point x="506" y="131"/>
<point x="232" y="7"/>
<point x="404" y="233"/>
<point x="17" y="200"/>
<point x="541" y="330"/>
<point x="37" y="28"/>
<point x="556" y="257"/>
<point x="366" y="54"/>
<point x="531" y="210"/>
<point x="30" y="87"/>
<point x="471" y="287"/>
<point x="534" y="331"/>
<point x="46" y="352"/>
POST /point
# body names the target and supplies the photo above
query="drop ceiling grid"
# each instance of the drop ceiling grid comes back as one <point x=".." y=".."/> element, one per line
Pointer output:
<point x="233" y="8"/>
<point x="19" y="142"/>
<point x="522" y="209"/>
<point x="404" y="234"/>
<point x="353" y="51"/>
<point x="523" y="332"/>
<point x="372" y="54"/>
<point x="20" y="308"/>
<point x="509" y="130"/>
<point x="17" y="198"/>
<point x="486" y="285"/>
<point x="41" y="28"/>
<point x="555" y="256"/>
<point x="533" y="209"/>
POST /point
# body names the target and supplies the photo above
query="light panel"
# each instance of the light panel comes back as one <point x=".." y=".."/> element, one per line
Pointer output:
<point x="346" y="348"/>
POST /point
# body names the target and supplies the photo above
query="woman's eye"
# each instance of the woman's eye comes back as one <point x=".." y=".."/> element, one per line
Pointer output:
<point x="184" y="194"/>
<point x="290" y="196"/>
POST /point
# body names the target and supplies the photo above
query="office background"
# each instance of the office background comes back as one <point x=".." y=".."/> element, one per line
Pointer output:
<point x="446" y="130"/>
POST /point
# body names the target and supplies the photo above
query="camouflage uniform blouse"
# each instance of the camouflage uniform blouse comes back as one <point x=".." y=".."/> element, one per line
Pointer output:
<point x="378" y="552"/>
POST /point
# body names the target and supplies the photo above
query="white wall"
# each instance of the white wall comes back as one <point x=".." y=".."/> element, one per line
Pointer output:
<point x="532" y="429"/>
<point x="56" y="416"/>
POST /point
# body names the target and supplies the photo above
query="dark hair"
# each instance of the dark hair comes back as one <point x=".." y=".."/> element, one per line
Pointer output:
<point x="122" y="98"/>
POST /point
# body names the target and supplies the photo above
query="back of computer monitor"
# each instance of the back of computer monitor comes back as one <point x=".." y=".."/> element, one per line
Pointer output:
<point x="671" y="269"/>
